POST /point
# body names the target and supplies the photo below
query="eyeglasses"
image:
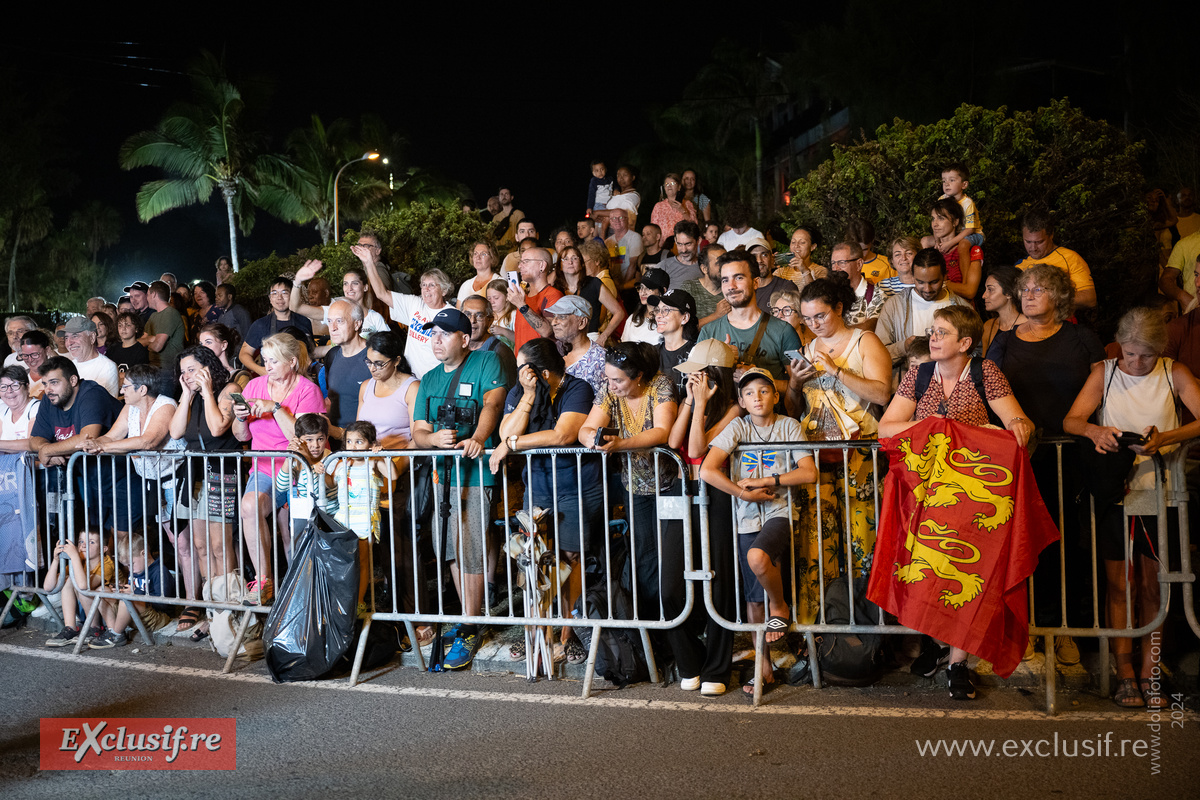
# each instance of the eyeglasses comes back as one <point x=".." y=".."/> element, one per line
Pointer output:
<point x="844" y="262"/>
<point x="784" y="311"/>
<point x="1036" y="291"/>
<point x="31" y="357"/>
<point x="662" y="310"/>
<point x="816" y="319"/>
<point x="937" y="334"/>
<point x="378" y="364"/>
<point x="126" y="387"/>
<point x="478" y="315"/>
<point x="9" y="388"/>
<point x="280" y="293"/>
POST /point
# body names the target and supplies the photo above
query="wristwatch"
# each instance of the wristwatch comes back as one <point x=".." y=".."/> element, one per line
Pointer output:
<point x="524" y="309"/>
<point x="512" y="442"/>
<point x="777" y="480"/>
<point x="277" y="407"/>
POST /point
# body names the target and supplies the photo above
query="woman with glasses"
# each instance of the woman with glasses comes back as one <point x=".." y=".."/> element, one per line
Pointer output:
<point x="1047" y="360"/>
<point x="951" y="393"/>
<point x="484" y="259"/>
<point x="19" y="410"/>
<point x="640" y="325"/>
<point x="786" y="306"/>
<point x="36" y="347"/>
<point x="836" y="392"/>
<point x="675" y="319"/>
<point x="669" y="211"/>
<point x="572" y="278"/>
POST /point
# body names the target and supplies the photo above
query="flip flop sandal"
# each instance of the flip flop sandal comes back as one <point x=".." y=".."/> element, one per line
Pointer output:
<point x="1128" y="695"/>
<point x="748" y="688"/>
<point x="189" y="619"/>
<point x="779" y="625"/>
<point x="517" y="651"/>
<point x="575" y="652"/>
<point x="1153" y="699"/>
<point x="199" y="635"/>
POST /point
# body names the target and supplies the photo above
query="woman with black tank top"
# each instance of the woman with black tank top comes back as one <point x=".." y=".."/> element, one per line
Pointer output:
<point x="204" y="420"/>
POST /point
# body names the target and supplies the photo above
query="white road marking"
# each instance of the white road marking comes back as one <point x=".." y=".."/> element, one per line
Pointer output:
<point x="342" y="685"/>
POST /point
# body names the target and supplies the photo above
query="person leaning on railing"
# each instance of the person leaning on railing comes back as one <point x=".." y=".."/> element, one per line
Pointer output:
<point x="638" y="401"/>
<point x="546" y="409"/>
<point x="19" y="412"/>
<point x="203" y="420"/>
<point x="952" y="394"/>
<point x="1140" y="392"/>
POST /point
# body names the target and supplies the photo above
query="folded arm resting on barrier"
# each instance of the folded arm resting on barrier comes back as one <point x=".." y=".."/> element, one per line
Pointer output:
<point x="753" y="490"/>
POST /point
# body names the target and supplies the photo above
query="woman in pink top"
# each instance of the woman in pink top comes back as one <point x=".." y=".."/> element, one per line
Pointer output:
<point x="669" y="211"/>
<point x="267" y="421"/>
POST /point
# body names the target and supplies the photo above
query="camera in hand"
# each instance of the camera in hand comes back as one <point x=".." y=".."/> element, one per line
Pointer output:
<point x="602" y="432"/>
<point x="1127" y="438"/>
<point x="452" y="415"/>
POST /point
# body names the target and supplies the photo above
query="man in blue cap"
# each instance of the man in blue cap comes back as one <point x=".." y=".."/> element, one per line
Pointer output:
<point x="458" y="407"/>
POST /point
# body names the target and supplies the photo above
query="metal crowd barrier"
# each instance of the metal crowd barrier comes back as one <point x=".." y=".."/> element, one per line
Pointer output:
<point x="186" y="485"/>
<point x="47" y="482"/>
<point x="602" y="548"/>
<point x="410" y="539"/>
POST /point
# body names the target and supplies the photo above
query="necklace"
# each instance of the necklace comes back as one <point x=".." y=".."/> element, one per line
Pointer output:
<point x="636" y="419"/>
<point x="1031" y="330"/>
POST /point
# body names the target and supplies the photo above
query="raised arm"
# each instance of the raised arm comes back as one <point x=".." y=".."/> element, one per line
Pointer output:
<point x="306" y="273"/>
<point x="377" y="285"/>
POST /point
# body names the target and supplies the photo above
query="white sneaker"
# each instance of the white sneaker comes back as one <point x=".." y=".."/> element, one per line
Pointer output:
<point x="712" y="689"/>
<point x="689" y="684"/>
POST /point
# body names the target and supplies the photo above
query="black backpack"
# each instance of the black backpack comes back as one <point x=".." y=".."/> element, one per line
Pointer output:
<point x="619" y="657"/>
<point x="925" y="376"/>
<point x="850" y="659"/>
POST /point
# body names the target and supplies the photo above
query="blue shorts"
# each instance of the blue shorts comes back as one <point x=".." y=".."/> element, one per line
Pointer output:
<point x="261" y="482"/>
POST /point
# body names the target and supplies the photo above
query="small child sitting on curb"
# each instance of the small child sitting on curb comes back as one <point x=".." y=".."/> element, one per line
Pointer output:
<point x="147" y="577"/>
<point x="88" y="570"/>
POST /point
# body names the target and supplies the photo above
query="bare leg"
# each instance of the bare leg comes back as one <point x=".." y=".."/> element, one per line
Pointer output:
<point x="1148" y="598"/>
<point x="772" y="582"/>
<point x="184" y="551"/>
<point x="256" y="530"/>
<point x="571" y="590"/>
<point x="1122" y="647"/>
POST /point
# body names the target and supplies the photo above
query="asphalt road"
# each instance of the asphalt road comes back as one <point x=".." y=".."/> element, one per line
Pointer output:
<point x="404" y="733"/>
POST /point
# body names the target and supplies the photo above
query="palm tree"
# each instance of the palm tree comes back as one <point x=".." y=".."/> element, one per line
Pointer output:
<point x="29" y="221"/>
<point x="201" y="147"/>
<point x="318" y="152"/>
<point x="99" y="225"/>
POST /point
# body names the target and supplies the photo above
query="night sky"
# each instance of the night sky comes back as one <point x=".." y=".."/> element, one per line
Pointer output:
<point x="515" y="98"/>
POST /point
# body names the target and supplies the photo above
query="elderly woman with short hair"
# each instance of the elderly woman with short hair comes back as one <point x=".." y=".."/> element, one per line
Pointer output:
<point x="1140" y="392"/>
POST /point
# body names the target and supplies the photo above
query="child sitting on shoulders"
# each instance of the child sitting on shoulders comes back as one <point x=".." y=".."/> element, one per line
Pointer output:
<point x="311" y="443"/>
<point x="147" y="577"/>
<point x="358" y="482"/>
<point x="758" y="481"/>
<point x="955" y="180"/>
<point x="92" y="569"/>
<point x="599" y="188"/>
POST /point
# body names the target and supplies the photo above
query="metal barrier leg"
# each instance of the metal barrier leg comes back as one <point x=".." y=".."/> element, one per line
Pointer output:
<point x="650" y="665"/>
<point x="760" y="644"/>
<point x="147" y="637"/>
<point x="1051" y="670"/>
<point x="814" y="663"/>
<point x="237" y="641"/>
<point x="1105" y="677"/>
<point x="360" y="650"/>
<point x="86" y="628"/>
<point x="589" y="669"/>
<point x="412" y="640"/>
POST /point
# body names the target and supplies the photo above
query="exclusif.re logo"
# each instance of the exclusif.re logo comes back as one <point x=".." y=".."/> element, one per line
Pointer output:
<point x="99" y="743"/>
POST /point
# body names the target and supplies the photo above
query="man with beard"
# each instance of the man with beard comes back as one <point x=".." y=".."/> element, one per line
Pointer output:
<point x="907" y="315"/>
<point x="760" y="339"/>
<point x="711" y="305"/>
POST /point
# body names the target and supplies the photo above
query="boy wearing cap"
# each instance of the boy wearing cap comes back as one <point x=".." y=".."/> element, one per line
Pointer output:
<point x="675" y="318"/>
<point x="458" y="408"/>
<point x="758" y="480"/>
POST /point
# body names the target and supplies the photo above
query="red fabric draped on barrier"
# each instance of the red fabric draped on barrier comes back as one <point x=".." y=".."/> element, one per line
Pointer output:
<point x="961" y="530"/>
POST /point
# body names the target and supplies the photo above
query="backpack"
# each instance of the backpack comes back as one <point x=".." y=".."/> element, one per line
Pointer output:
<point x="619" y="656"/>
<point x="925" y="376"/>
<point x="223" y="623"/>
<point x="850" y="659"/>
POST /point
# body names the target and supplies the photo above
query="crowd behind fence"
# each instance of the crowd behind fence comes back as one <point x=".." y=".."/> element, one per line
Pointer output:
<point x="660" y="559"/>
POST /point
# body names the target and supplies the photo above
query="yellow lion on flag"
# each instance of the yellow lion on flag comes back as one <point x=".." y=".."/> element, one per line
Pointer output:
<point x="938" y="556"/>
<point x="946" y="474"/>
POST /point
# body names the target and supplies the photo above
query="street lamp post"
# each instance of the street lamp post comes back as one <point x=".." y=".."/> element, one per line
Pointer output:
<point x="364" y="157"/>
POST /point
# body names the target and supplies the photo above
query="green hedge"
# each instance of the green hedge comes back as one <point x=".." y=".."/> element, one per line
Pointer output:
<point x="414" y="239"/>
<point x="1086" y="171"/>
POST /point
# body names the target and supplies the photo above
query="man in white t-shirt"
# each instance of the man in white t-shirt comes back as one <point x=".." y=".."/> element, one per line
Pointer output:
<point x="740" y="234"/>
<point x="907" y="315"/>
<point x="81" y="346"/>
<point x="625" y="250"/>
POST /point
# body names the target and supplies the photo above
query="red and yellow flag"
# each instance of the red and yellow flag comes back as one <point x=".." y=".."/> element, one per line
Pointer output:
<point x="961" y="530"/>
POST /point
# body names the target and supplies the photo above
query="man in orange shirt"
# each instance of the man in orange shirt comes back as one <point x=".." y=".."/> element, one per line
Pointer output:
<point x="533" y="297"/>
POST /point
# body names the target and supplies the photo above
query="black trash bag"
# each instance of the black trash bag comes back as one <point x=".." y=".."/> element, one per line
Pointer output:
<point x="312" y="623"/>
<point x="383" y="642"/>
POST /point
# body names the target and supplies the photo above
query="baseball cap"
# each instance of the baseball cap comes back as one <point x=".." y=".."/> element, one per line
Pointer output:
<point x="754" y="372"/>
<point x="570" y="304"/>
<point x="80" y="325"/>
<point x="675" y="298"/>
<point x="708" y="353"/>
<point x="451" y="319"/>
<point x="757" y="242"/>
<point x="655" y="279"/>
<point x="137" y="286"/>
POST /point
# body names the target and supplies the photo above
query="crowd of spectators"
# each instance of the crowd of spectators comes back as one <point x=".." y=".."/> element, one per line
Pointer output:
<point x="694" y="334"/>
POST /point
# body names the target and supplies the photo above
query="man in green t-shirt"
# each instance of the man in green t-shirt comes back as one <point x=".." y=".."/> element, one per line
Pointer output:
<point x="458" y="407"/>
<point x="739" y="327"/>
<point x="164" y="330"/>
